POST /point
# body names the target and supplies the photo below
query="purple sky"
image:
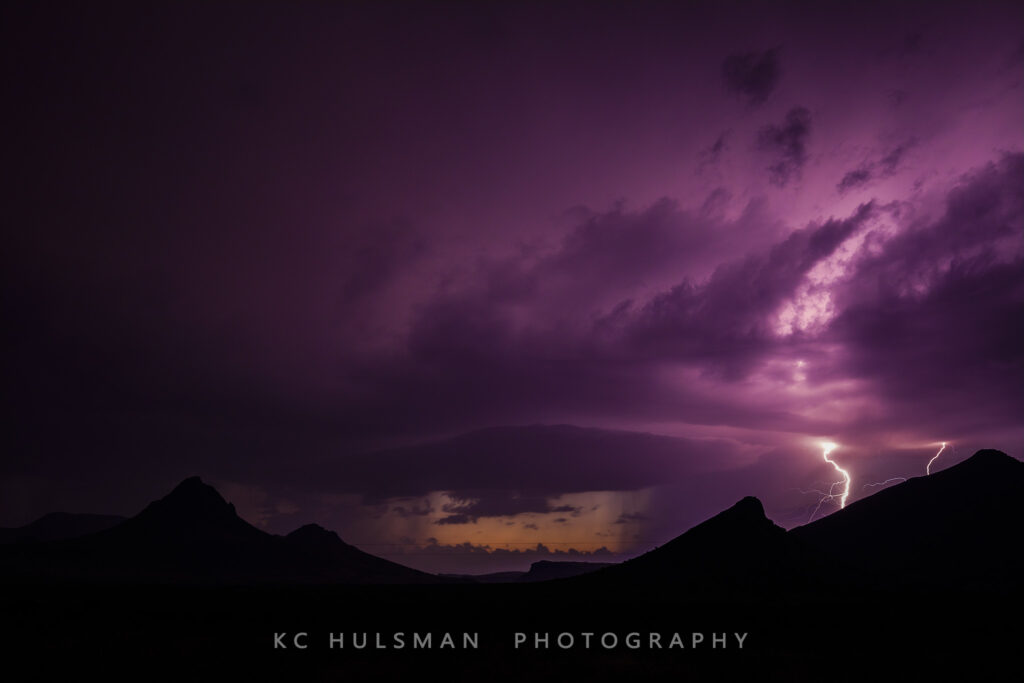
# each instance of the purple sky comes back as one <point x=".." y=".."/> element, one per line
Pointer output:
<point x="456" y="280"/>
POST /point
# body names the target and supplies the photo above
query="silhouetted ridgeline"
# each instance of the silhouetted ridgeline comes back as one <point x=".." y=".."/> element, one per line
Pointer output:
<point x="956" y="528"/>
<point x="923" y="576"/>
<point x="193" y="535"/>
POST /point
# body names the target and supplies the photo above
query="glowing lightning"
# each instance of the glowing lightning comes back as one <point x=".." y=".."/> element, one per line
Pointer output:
<point x="828" y="447"/>
<point x="884" y="483"/>
<point x="928" y="467"/>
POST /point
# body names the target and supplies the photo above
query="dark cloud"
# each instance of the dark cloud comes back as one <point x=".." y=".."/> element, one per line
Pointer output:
<point x="513" y="470"/>
<point x="889" y="163"/>
<point x="753" y="75"/>
<point x="712" y="155"/>
<point x="630" y="518"/>
<point x="723" y="323"/>
<point x="531" y="334"/>
<point x="926" y="316"/>
<point x="855" y="178"/>
<point x="228" y="260"/>
<point x="539" y="551"/>
<point x="788" y="142"/>
<point x="884" y="167"/>
<point x="936" y="314"/>
<point x="457" y="519"/>
<point x="413" y="510"/>
<point x="469" y="506"/>
<point x="715" y="203"/>
<point x="618" y="250"/>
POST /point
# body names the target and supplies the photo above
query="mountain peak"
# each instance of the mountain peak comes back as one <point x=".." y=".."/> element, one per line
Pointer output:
<point x="193" y="490"/>
<point x="747" y="513"/>
<point x="952" y="525"/>
<point x="194" y="483"/>
<point x="314" y="533"/>
<point x="986" y="465"/>
<point x="194" y="500"/>
<point x="749" y="507"/>
<point x="990" y="458"/>
<point x="745" y="517"/>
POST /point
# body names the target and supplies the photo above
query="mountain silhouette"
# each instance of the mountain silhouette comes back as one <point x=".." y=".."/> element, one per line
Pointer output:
<point x="59" y="526"/>
<point x="322" y="553"/>
<point x="905" y="575"/>
<point x="955" y="528"/>
<point x="739" y="549"/>
<point x="960" y="526"/>
<point x="194" y="535"/>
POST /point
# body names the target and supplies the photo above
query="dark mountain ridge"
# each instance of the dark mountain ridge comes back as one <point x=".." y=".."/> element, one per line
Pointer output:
<point x="955" y="528"/>
<point x="193" y="535"/>
<point x="738" y="551"/>
<point x="959" y="526"/>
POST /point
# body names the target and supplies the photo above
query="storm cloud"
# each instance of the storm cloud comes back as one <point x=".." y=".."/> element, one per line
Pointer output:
<point x="504" y="275"/>
<point x="752" y="75"/>
<point x="787" y="142"/>
<point x="885" y="167"/>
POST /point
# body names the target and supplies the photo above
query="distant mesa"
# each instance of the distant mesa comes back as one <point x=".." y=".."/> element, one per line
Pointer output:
<point x="541" y="570"/>
<point x="546" y="570"/>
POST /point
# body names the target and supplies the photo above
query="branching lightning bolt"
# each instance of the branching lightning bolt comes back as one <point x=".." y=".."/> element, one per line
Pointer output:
<point x="841" y="489"/>
<point x="928" y="467"/>
<point x="827" y="448"/>
<point x="884" y="483"/>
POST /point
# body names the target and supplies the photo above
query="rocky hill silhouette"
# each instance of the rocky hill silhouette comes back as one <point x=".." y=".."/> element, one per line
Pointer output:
<point x="925" y="573"/>
<point x="737" y="550"/>
<point x="193" y="535"/>
<point x="960" y="526"/>
<point x="956" y="528"/>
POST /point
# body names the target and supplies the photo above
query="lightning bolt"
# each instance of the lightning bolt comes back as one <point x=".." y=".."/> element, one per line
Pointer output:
<point x="928" y="467"/>
<point x="827" y="447"/>
<point x="883" y="483"/>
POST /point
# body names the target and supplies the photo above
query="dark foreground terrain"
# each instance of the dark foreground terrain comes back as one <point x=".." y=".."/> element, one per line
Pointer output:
<point x="921" y="581"/>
